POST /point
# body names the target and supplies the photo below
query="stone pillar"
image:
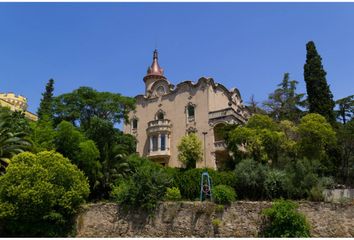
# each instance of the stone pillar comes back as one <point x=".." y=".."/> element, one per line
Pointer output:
<point x="159" y="142"/>
<point x="167" y="141"/>
<point x="150" y="147"/>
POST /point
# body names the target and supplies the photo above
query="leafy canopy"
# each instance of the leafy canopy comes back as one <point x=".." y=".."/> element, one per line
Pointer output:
<point x="284" y="103"/>
<point x="40" y="193"/>
<point x="261" y="139"/>
<point x="79" y="106"/>
<point x="315" y="135"/>
<point x="345" y="110"/>
<point x="190" y="150"/>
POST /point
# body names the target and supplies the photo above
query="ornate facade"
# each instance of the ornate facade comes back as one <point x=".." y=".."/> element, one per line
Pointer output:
<point x="16" y="103"/>
<point x="165" y="113"/>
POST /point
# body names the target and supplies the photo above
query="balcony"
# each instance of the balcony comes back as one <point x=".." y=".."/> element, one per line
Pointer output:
<point x="220" y="145"/>
<point x="163" y="125"/>
<point x="159" y="153"/>
<point x="227" y="115"/>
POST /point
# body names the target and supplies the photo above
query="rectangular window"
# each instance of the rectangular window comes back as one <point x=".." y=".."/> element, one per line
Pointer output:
<point x="163" y="142"/>
<point x="135" y="123"/>
<point x="190" y="111"/>
<point x="154" y="143"/>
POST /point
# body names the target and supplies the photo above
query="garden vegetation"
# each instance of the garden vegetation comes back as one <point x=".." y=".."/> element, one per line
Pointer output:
<point x="290" y="148"/>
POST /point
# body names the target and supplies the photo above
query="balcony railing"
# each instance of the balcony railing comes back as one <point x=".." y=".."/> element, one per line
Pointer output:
<point x="220" y="145"/>
<point x="159" y="153"/>
<point x="227" y="112"/>
<point x="161" y="122"/>
<point x="162" y="125"/>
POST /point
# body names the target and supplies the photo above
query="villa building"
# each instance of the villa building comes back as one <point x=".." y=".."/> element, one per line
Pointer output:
<point x="165" y="113"/>
<point x="16" y="103"/>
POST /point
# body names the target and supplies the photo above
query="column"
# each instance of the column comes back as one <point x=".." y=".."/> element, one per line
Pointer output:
<point x="167" y="143"/>
<point x="150" y="147"/>
<point x="159" y="142"/>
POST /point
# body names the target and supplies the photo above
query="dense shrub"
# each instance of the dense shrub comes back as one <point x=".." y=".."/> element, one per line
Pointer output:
<point x="300" y="179"/>
<point x="249" y="179"/>
<point x="315" y="194"/>
<point x="40" y="193"/>
<point x="283" y="220"/>
<point x="327" y="182"/>
<point x="275" y="184"/>
<point x="173" y="194"/>
<point x="174" y="174"/>
<point x="188" y="181"/>
<point x="223" y="178"/>
<point x="223" y="194"/>
<point x="144" y="188"/>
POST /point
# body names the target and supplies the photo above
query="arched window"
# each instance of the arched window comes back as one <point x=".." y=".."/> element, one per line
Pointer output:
<point x="160" y="115"/>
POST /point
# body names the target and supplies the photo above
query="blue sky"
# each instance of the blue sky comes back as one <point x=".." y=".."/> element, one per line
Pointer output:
<point x="108" y="46"/>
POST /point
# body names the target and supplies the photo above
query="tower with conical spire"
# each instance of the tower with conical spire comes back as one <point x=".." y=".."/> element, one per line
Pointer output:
<point x="165" y="113"/>
<point x="154" y="73"/>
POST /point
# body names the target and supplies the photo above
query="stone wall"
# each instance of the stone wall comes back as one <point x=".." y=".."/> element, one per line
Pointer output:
<point x="338" y="195"/>
<point x="196" y="219"/>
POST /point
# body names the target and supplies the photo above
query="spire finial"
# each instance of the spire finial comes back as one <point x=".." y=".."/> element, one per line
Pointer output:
<point x="155" y="68"/>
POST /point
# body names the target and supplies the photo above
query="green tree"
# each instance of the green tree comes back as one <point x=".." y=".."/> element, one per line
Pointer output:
<point x="81" y="105"/>
<point x="253" y="107"/>
<point x="244" y="142"/>
<point x="87" y="159"/>
<point x="43" y="135"/>
<point x="316" y="134"/>
<point x="73" y="144"/>
<point x="291" y="137"/>
<point x="46" y="105"/>
<point x="95" y="114"/>
<point x="345" y="110"/>
<point x="260" y="139"/>
<point x="40" y="194"/>
<point x="68" y="139"/>
<point x="15" y="120"/>
<point x="320" y="98"/>
<point x="11" y="141"/>
<point x="114" y="147"/>
<point x="345" y="135"/>
<point x="284" y="103"/>
<point x="190" y="150"/>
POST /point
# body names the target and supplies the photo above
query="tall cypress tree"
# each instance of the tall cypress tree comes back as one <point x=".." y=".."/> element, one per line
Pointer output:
<point x="319" y="95"/>
<point x="46" y="105"/>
